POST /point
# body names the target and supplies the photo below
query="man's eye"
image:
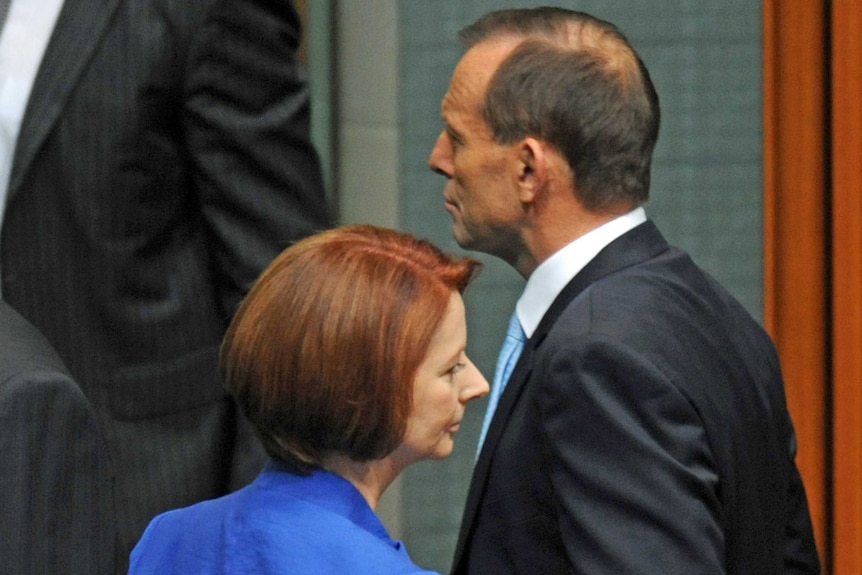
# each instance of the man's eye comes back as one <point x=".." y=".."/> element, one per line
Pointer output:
<point x="455" y="138"/>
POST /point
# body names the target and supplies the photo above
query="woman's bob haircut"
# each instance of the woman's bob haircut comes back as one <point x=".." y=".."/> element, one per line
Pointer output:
<point x="322" y="353"/>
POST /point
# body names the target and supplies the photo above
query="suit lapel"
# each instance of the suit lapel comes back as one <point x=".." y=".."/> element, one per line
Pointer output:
<point x="79" y="29"/>
<point x="638" y="245"/>
<point x="510" y="396"/>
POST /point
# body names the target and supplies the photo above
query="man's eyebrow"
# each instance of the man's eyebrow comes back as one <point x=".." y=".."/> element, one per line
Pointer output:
<point x="453" y="133"/>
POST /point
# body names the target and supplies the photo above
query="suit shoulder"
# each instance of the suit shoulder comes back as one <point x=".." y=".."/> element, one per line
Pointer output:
<point x="25" y="350"/>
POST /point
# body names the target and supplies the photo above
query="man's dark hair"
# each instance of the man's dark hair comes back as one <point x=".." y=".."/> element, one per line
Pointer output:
<point x="576" y="83"/>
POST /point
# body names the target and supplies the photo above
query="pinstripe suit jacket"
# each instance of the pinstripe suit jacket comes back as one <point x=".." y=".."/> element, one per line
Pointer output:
<point x="56" y="481"/>
<point x="163" y="161"/>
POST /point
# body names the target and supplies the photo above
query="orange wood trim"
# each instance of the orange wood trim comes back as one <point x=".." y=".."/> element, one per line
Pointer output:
<point x="847" y="284"/>
<point x="795" y="307"/>
<point x="302" y="9"/>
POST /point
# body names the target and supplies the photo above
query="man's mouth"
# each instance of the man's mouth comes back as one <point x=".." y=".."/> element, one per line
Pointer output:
<point x="451" y="206"/>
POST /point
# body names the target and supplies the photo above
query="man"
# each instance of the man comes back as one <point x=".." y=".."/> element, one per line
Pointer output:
<point x="644" y="427"/>
<point x="56" y="480"/>
<point x="161" y="161"/>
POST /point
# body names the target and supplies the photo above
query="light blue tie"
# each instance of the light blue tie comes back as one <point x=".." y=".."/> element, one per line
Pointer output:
<point x="509" y="354"/>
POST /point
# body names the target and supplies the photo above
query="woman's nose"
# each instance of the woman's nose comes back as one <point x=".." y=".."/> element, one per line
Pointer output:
<point x="475" y="384"/>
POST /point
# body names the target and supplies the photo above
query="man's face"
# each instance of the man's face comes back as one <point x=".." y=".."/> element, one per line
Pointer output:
<point x="481" y="193"/>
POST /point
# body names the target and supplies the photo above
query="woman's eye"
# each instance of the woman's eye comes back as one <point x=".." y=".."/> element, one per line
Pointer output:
<point x="456" y="368"/>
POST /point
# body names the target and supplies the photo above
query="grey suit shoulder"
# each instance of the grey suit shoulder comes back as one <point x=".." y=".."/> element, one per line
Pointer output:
<point x="56" y="481"/>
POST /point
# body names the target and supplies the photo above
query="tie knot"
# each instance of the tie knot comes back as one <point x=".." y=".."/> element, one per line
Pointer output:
<point x="515" y="331"/>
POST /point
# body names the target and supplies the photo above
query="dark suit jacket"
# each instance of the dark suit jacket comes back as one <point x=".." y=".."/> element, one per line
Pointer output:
<point x="163" y="162"/>
<point x="644" y="430"/>
<point x="56" y="480"/>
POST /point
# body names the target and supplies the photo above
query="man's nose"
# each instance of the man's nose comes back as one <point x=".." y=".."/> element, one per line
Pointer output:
<point x="440" y="160"/>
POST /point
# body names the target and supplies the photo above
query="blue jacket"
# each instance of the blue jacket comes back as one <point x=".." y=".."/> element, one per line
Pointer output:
<point x="281" y="523"/>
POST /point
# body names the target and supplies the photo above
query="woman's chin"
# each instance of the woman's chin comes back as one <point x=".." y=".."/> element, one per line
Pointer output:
<point x="443" y="449"/>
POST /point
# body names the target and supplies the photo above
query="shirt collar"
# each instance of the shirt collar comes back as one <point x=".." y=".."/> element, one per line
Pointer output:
<point x="553" y="274"/>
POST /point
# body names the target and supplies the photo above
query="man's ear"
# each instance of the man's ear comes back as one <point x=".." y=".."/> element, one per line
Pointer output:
<point x="533" y="169"/>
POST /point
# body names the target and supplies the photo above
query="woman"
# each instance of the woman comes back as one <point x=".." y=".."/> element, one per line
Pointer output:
<point x="348" y="357"/>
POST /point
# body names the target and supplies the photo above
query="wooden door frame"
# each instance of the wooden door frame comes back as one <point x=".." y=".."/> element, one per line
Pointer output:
<point x="846" y="82"/>
<point x="796" y="305"/>
<point x="813" y="252"/>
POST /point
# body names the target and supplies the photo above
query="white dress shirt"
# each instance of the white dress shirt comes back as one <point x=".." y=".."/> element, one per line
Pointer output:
<point x="23" y="41"/>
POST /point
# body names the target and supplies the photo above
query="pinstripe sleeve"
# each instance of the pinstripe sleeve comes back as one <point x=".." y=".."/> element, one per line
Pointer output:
<point x="56" y="497"/>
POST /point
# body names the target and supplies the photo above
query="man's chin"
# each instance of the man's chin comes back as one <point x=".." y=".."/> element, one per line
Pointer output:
<point x="480" y="244"/>
<point x="462" y="238"/>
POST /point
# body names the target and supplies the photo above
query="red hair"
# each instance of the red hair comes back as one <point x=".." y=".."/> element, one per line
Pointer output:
<point x="322" y="353"/>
